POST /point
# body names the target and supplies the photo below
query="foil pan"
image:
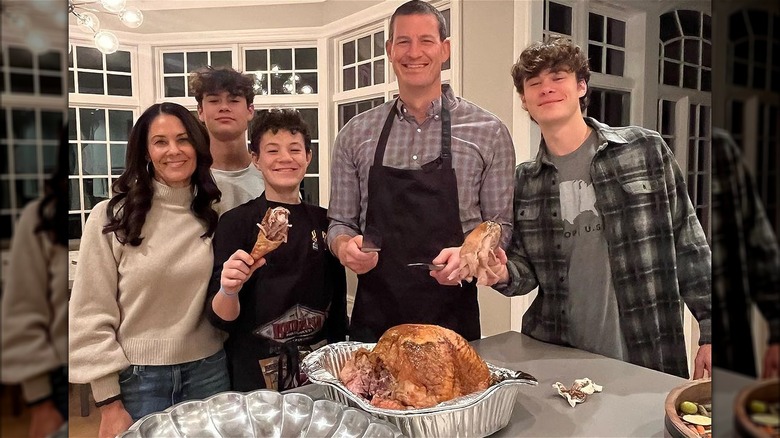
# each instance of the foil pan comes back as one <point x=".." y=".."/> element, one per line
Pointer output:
<point x="475" y="415"/>
<point x="261" y="413"/>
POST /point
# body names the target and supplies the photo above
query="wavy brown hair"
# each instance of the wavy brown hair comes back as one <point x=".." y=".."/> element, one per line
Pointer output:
<point x="210" y="80"/>
<point x="556" y="53"/>
<point x="134" y="188"/>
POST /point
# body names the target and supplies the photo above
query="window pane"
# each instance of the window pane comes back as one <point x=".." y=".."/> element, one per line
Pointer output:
<point x="174" y="87"/>
<point x="364" y="48"/>
<point x="669" y="28"/>
<point x="706" y="54"/>
<point x="346" y="113"/>
<point x="223" y="58"/>
<point x="51" y="123"/>
<point x="257" y="60"/>
<point x="595" y="27"/>
<point x="689" y="20"/>
<point x="118" y="61"/>
<point x="310" y="190"/>
<point x="88" y="57"/>
<point x="261" y="82"/>
<point x="349" y="78"/>
<point x="120" y="123"/>
<point x="71" y="83"/>
<point x="118" y="152"/>
<point x="20" y="57"/>
<point x="348" y="52"/>
<point x="314" y="165"/>
<point x="74" y="226"/>
<point x="73" y="194"/>
<point x="759" y="22"/>
<point x="196" y="60"/>
<point x="26" y="190"/>
<point x="690" y="77"/>
<point x="692" y="51"/>
<point x="49" y="153"/>
<point x="671" y="73"/>
<point x="560" y="18"/>
<point x="50" y="60"/>
<point x="25" y="158"/>
<point x="173" y="62"/>
<point x="595" y="55"/>
<point x="5" y="195"/>
<point x="119" y="85"/>
<point x="706" y="80"/>
<point x="364" y="75"/>
<point x="306" y="59"/>
<point x="73" y="159"/>
<point x="5" y="226"/>
<point x="379" y="71"/>
<point x="667" y="117"/>
<point x="92" y="124"/>
<point x="740" y="73"/>
<point x="94" y="159"/>
<point x="307" y="83"/>
<point x="759" y="77"/>
<point x="278" y="84"/>
<point x="22" y="83"/>
<point x="760" y="50"/>
<point x="379" y="43"/>
<point x="616" y="32"/>
<point x="50" y="85"/>
<point x="23" y="124"/>
<point x="282" y="58"/>
<point x="95" y="190"/>
<point x="616" y="59"/>
<point x="673" y="50"/>
<point x="91" y="83"/>
<point x="309" y="115"/>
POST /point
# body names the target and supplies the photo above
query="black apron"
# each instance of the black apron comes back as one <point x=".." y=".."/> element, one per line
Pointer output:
<point x="416" y="214"/>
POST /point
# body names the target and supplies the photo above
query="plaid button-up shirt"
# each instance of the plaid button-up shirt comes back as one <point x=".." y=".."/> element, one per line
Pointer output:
<point x="658" y="252"/>
<point x="482" y="155"/>
<point x="745" y="260"/>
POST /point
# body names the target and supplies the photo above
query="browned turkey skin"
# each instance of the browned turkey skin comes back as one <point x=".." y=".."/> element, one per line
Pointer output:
<point x="415" y="366"/>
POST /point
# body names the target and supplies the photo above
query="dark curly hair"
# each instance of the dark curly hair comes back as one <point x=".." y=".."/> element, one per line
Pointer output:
<point x="419" y="7"/>
<point x="210" y="80"/>
<point x="556" y="53"/>
<point x="275" y="120"/>
<point x="134" y="188"/>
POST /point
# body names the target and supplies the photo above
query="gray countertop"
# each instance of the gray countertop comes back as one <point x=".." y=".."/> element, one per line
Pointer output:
<point x="631" y="404"/>
<point x="726" y="386"/>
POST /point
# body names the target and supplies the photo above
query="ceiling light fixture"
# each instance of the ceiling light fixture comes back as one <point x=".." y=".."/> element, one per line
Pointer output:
<point x="105" y="40"/>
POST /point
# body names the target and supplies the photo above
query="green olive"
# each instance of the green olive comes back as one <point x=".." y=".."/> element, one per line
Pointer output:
<point x="688" y="407"/>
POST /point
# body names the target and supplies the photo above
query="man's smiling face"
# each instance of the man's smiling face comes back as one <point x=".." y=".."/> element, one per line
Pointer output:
<point x="417" y="52"/>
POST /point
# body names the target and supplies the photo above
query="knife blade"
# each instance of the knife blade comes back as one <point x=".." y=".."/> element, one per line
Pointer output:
<point x="428" y="266"/>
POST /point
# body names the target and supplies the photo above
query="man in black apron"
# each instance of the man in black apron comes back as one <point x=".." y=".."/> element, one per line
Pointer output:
<point x="414" y="213"/>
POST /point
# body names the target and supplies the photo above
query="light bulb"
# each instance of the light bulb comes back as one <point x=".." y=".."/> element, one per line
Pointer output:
<point x="131" y="17"/>
<point x="307" y="89"/>
<point x="106" y="42"/>
<point x="37" y="43"/>
<point x="114" y="6"/>
<point x="88" y="22"/>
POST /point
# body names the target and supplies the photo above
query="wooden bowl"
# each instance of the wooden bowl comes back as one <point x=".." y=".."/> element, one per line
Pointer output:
<point x="766" y="390"/>
<point x="698" y="391"/>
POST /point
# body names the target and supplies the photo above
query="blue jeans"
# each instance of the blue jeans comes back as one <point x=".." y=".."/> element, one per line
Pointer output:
<point x="147" y="388"/>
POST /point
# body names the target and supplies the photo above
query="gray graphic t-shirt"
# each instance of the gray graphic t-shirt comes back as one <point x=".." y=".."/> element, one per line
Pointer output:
<point x="594" y="323"/>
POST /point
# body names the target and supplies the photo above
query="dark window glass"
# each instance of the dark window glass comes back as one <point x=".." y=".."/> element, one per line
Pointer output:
<point x="446" y="14"/>
<point x="706" y="80"/>
<point x="51" y="123"/>
<point x="737" y="27"/>
<point x="309" y="79"/>
<point x="22" y="83"/>
<point x="596" y="27"/>
<point x="669" y="28"/>
<point x="92" y="124"/>
<point x="71" y="123"/>
<point x="5" y="226"/>
<point x="667" y="117"/>
<point x="775" y="84"/>
<point x="309" y="115"/>
<point x="379" y="42"/>
<point x="23" y="125"/>
<point x="616" y="32"/>
<point x="73" y="159"/>
<point x="671" y="73"/>
<point x="690" y="77"/>
<point x="761" y="49"/>
<point x="690" y="22"/>
<point x="222" y="58"/>
<point x="73" y="194"/>
<point x="348" y="53"/>
<point x="349" y="78"/>
<point x="379" y="71"/>
<point x="118" y="61"/>
<point x="560" y="18"/>
<point x="759" y="22"/>
<point x="691" y="52"/>
<point x="281" y="58"/>
<point x="87" y="57"/>
<point x="3" y="157"/>
<point x="91" y="83"/>
<point x="736" y="116"/>
<point x="119" y="85"/>
<point x="173" y="62"/>
<point x="314" y="164"/>
<point x="5" y="195"/>
<point x="673" y="50"/>
<point x="261" y="81"/>
<point x="74" y="226"/>
<point x="364" y="48"/>
<point x="742" y="50"/>
<point x="257" y="60"/>
<point x="196" y="60"/>
<point x="94" y="159"/>
<point x="277" y="84"/>
<point x="71" y="82"/>
<point x="616" y="59"/>
<point x="70" y="58"/>
<point x="120" y="123"/>
<point x="364" y="75"/>
<point x="174" y="87"/>
<point x="595" y="55"/>
<point x="706" y="54"/>
<point x="26" y="191"/>
<point x="704" y="122"/>
<point x="95" y="190"/>
<point x="346" y="113"/>
<point x="759" y="77"/>
<point x="20" y="57"/>
<point x="25" y="158"/>
<point x="310" y="190"/>
<point x="118" y="152"/>
<point x="50" y="85"/>
<point x="306" y="59"/>
<point x="49" y="155"/>
<point x="50" y="60"/>
<point x="3" y="130"/>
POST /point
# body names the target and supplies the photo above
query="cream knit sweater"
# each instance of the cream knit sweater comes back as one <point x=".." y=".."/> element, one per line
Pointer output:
<point x="141" y="305"/>
<point x="34" y="308"/>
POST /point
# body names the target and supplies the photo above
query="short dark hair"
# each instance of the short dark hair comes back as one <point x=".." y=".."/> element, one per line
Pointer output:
<point x="419" y="7"/>
<point x="134" y="189"/>
<point x="275" y="120"/>
<point x="556" y="53"/>
<point x="210" y="80"/>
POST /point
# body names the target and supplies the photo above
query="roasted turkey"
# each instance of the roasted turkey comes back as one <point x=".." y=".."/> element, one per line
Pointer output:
<point x="415" y="366"/>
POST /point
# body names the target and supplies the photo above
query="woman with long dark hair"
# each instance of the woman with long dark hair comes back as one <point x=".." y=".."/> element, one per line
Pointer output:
<point x="35" y="305"/>
<point x="138" y="333"/>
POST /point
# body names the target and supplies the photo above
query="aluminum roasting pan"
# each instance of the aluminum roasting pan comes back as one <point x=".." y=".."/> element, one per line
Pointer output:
<point x="474" y="415"/>
<point x="261" y="413"/>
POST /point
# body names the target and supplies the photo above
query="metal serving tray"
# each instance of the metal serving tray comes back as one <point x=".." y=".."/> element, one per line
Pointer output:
<point x="475" y="415"/>
<point x="261" y="413"/>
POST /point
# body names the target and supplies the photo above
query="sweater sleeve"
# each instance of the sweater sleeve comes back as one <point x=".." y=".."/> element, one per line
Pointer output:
<point x="96" y="357"/>
<point x="28" y="353"/>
